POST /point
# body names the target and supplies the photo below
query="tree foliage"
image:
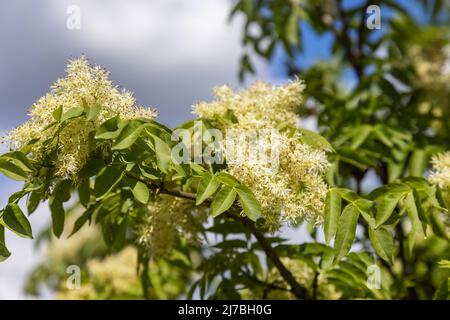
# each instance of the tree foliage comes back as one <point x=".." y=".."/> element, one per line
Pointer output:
<point x="380" y="219"/>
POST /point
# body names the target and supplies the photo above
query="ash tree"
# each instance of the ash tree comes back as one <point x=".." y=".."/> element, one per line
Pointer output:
<point x="198" y="210"/>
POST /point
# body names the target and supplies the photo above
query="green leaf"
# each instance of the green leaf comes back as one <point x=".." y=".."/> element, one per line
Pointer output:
<point x="110" y="129"/>
<point x="150" y="173"/>
<point x="347" y="194"/>
<point x="60" y="195"/>
<point x="119" y="233"/>
<point x="86" y="216"/>
<point x="232" y="243"/>
<point x="140" y="192"/>
<point x="33" y="201"/>
<point x="72" y="113"/>
<point x="389" y="90"/>
<point x="440" y="197"/>
<point x="230" y="116"/>
<point x="332" y="213"/>
<point x="62" y="190"/>
<point x="58" y="113"/>
<point x="395" y="170"/>
<point x="383" y="243"/>
<point x="58" y="217"/>
<point x="163" y="154"/>
<point x="418" y="163"/>
<point x="12" y="171"/>
<point x="226" y="227"/>
<point x="20" y="160"/>
<point x="92" y="168"/>
<point x="207" y="187"/>
<point x="84" y="192"/>
<point x="413" y="214"/>
<point x="436" y="223"/>
<point x="94" y="111"/>
<point x="315" y="140"/>
<point x="346" y="231"/>
<point x="16" y="196"/>
<point x="360" y="136"/>
<point x="128" y="135"/>
<point x="4" y="252"/>
<point x="380" y="132"/>
<point x="107" y="179"/>
<point x="251" y="206"/>
<point x="365" y="209"/>
<point x="14" y="219"/>
<point x="443" y="291"/>
<point x="223" y="201"/>
<point x="292" y="29"/>
<point x="227" y="179"/>
<point x="386" y="206"/>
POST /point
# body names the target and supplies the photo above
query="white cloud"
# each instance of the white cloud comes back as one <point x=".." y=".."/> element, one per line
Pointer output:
<point x="166" y="34"/>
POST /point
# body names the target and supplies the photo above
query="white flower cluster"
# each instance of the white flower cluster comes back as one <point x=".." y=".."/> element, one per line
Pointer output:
<point x="83" y="82"/>
<point x="440" y="175"/>
<point x="167" y="218"/>
<point x="115" y="275"/>
<point x="297" y="190"/>
<point x="441" y="170"/>
<point x="432" y="66"/>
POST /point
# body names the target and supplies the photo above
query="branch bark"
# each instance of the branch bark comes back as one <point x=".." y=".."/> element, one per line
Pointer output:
<point x="299" y="291"/>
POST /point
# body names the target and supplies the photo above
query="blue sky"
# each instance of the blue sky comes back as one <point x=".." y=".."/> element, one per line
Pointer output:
<point x="317" y="47"/>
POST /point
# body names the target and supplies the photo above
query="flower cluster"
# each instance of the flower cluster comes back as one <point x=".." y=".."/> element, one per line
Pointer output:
<point x="114" y="275"/>
<point x="119" y="271"/>
<point x="84" y="83"/>
<point x="166" y="218"/>
<point x="432" y="66"/>
<point x="441" y="170"/>
<point x="297" y="189"/>
<point x="440" y="174"/>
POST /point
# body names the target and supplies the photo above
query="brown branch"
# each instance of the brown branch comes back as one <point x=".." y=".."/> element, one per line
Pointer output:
<point x="268" y="285"/>
<point x="344" y="37"/>
<point x="362" y="31"/>
<point x="315" y="285"/>
<point x="160" y="189"/>
<point x="299" y="291"/>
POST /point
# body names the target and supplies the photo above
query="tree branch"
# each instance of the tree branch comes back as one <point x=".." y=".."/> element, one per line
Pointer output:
<point x="299" y="291"/>
<point x="344" y="37"/>
<point x="158" y="188"/>
<point x="362" y="32"/>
